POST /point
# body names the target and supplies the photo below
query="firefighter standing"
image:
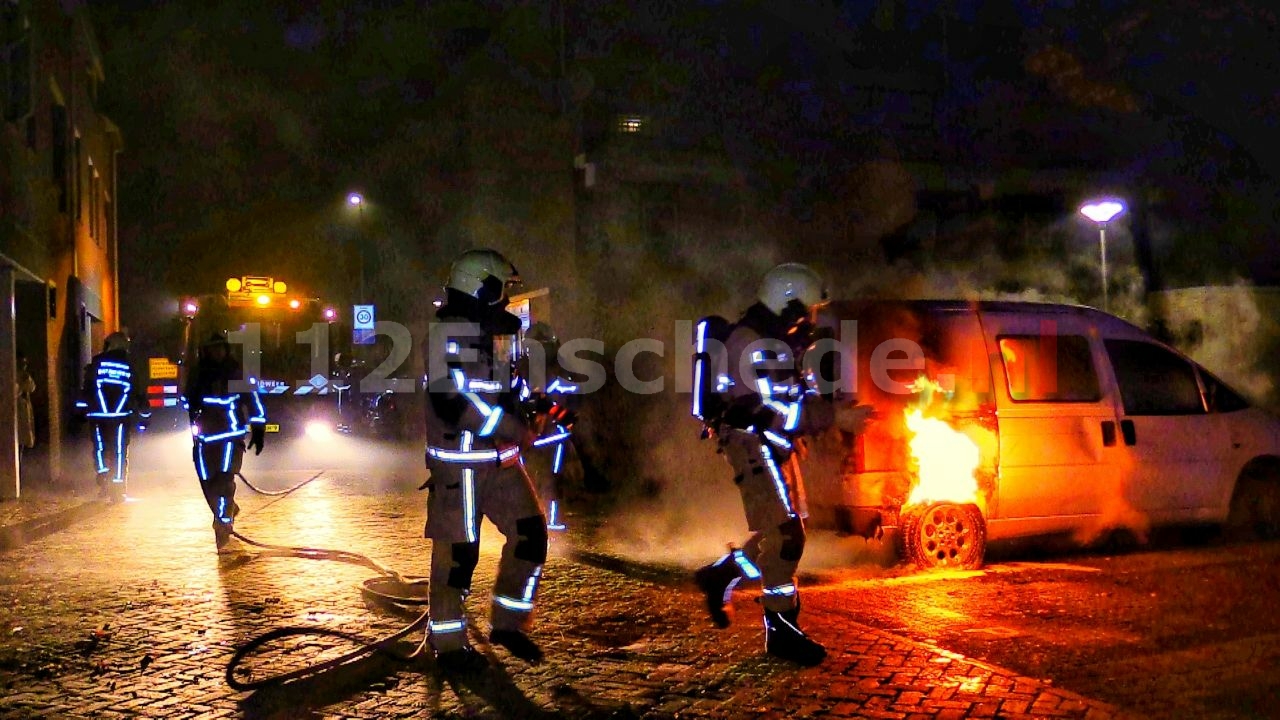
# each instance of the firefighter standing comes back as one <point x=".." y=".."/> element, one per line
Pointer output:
<point x="474" y="437"/>
<point x="112" y="394"/>
<point x="552" y="393"/>
<point x="220" y="421"/>
<point x="765" y="419"/>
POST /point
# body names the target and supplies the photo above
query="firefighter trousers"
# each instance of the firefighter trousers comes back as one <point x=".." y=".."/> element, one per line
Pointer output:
<point x="460" y="495"/>
<point x="545" y="466"/>
<point x="217" y="464"/>
<point x="111" y="449"/>
<point x="773" y="498"/>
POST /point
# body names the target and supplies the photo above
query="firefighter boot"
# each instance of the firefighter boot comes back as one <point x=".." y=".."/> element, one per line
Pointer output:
<point x="221" y="533"/>
<point x="463" y="661"/>
<point x="716" y="582"/>
<point x="784" y="639"/>
<point x="222" y="529"/>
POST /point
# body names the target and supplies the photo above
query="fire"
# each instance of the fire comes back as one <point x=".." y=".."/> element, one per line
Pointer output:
<point x="946" y="461"/>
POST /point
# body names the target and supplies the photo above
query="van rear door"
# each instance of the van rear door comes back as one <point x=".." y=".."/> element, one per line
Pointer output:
<point x="1058" y="431"/>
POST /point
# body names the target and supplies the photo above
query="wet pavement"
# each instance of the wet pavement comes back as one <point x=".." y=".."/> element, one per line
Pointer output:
<point x="132" y="613"/>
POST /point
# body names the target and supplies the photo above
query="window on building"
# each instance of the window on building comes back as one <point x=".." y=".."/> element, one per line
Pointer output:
<point x="77" y="180"/>
<point x="18" y="93"/>
<point x="1153" y="380"/>
<point x="94" y="192"/>
<point x="631" y="124"/>
<point x="58" y="128"/>
<point x="1049" y="368"/>
<point x="17" y="62"/>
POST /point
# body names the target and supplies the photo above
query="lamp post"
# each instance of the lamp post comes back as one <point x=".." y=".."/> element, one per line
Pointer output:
<point x="356" y="200"/>
<point x="1103" y="212"/>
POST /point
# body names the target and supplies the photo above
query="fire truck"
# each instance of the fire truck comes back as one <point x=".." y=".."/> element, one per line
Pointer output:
<point x="282" y="339"/>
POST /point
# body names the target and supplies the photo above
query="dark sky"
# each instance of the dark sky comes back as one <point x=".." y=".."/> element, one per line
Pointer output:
<point x="247" y="122"/>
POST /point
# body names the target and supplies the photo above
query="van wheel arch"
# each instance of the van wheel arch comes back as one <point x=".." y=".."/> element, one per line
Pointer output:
<point x="1254" y="512"/>
<point x="943" y="535"/>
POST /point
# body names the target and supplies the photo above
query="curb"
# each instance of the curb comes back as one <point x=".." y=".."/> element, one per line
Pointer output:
<point x="19" y="534"/>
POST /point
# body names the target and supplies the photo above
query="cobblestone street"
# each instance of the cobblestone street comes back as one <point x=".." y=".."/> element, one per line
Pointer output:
<point x="132" y="613"/>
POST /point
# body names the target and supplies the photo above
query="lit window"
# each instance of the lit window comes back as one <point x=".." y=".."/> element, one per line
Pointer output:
<point x="630" y="124"/>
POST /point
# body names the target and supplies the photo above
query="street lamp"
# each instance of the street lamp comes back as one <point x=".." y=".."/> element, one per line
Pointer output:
<point x="1103" y="212"/>
<point x="356" y="200"/>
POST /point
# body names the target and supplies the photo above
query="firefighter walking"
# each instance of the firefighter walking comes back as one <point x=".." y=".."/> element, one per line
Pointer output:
<point x="111" y="396"/>
<point x="221" y="420"/>
<point x="763" y="421"/>
<point x="475" y="433"/>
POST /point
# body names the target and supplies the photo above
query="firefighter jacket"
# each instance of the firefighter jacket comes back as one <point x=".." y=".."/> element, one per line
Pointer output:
<point x="472" y="413"/>
<point x="767" y="393"/>
<point x="111" y="389"/>
<point x="216" y="412"/>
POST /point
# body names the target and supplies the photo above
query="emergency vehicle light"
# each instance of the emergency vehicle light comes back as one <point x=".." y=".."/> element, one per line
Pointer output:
<point x="234" y="284"/>
<point x="294" y="304"/>
<point x="264" y="300"/>
<point x="279" y="287"/>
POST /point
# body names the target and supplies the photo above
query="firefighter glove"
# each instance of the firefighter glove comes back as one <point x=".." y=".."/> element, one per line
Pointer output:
<point x="257" y="437"/>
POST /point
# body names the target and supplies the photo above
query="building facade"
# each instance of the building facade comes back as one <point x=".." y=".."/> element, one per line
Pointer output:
<point x="58" y="249"/>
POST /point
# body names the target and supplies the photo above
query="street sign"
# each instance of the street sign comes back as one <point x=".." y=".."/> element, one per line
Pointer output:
<point x="362" y="324"/>
<point x="161" y="368"/>
<point x="363" y="315"/>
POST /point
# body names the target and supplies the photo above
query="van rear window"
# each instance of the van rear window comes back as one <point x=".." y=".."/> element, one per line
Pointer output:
<point x="1049" y="368"/>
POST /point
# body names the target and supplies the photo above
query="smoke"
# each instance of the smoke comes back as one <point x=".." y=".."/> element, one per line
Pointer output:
<point x="1231" y="330"/>
<point x="674" y="501"/>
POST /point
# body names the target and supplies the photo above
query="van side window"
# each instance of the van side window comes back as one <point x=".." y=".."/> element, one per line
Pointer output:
<point x="1220" y="397"/>
<point x="1049" y="368"/>
<point x="1154" y="381"/>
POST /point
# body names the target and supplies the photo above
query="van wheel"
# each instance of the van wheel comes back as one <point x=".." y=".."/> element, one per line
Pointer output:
<point x="943" y="535"/>
<point x="1255" y="506"/>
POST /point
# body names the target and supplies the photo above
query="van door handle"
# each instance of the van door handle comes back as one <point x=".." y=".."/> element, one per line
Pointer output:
<point x="1129" y="431"/>
<point x="1108" y="433"/>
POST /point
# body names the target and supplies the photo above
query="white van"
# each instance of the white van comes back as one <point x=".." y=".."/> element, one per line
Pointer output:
<point x="1069" y="420"/>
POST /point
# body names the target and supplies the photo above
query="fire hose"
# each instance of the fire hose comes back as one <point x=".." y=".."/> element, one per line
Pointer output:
<point x="375" y="587"/>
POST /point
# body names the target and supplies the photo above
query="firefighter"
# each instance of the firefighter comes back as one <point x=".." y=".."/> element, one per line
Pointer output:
<point x="552" y="395"/>
<point x="221" y="419"/>
<point x="765" y="420"/>
<point x="111" y="396"/>
<point x="475" y="434"/>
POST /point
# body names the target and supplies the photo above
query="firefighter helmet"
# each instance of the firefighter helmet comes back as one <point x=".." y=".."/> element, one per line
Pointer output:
<point x="116" y="341"/>
<point x="483" y="274"/>
<point x="792" y="282"/>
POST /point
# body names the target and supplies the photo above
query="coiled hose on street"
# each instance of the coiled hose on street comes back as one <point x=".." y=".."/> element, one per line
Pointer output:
<point x="376" y="587"/>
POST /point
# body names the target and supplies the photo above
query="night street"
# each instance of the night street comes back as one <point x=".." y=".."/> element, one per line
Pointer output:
<point x="639" y="359"/>
<point x="1155" y="633"/>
